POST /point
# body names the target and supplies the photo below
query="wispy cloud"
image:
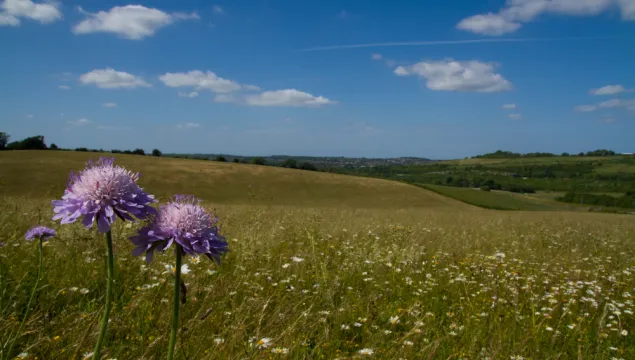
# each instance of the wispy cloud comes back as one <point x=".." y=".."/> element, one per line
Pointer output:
<point x="79" y="122"/>
<point x="444" y="42"/>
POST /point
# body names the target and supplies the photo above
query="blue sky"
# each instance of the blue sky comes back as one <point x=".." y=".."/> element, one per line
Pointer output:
<point x="435" y="79"/>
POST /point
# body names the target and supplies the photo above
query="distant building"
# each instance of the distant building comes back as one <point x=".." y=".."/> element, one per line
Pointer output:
<point x="626" y="154"/>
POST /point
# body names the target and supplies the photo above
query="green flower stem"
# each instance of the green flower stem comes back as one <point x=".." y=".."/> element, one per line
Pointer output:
<point x="104" y="321"/>
<point x="28" y="306"/>
<point x="175" y="313"/>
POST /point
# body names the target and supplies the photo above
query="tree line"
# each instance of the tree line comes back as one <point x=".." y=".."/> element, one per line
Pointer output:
<point x="500" y="154"/>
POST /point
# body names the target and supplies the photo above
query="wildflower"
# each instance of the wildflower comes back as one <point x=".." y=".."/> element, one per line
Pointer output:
<point x="366" y="352"/>
<point x="394" y="320"/>
<point x="195" y="260"/>
<point x="39" y="232"/>
<point x="297" y="259"/>
<point x="624" y="333"/>
<point x="219" y="341"/>
<point x="87" y="355"/>
<point x="172" y="270"/>
<point x="387" y="332"/>
<point x="279" y="350"/>
<point x="185" y="222"/>
<point x="284" y="266"/>
<point x="549" y="328"/>
<point x="22" y="355"/>
<point x="408" y="343"/>
<point x="84" y="291"/>
<point x="101" y="193"/>
<point x="345" y="327"/>
<point x="357" y="324"/>
<point x="263" y="343"/>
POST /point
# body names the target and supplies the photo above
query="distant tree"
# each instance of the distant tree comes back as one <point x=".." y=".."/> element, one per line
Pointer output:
<point x="565" y="154"/>
<point x="53" y="147"/>
<point x="221" y="158"/>
<point x="81" y="149"/>
<point x="244" y="161"/>
<point x="259" y="160"/>
<point x="4" y="140"/>
<point x="115" y="151"/>
<point x="290" y="163"/>
<point x="307" y="166"/>
<point x="580" y="154"/>
<point x="139" y="152"/>
<point x="127" y="152"/>
<point x="156" y="152"/>
<point x="30" y="143"/>
<point x="236" y="160"/>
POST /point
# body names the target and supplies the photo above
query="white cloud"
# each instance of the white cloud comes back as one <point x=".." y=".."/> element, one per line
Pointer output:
<point x="251" y="87"/>
<point x="488" y="24"/>
<point x="608" y="90"/>
<point x="225" y="98"/>
<point x="376" y="56"/>
<point x="109" y="105"/>
<point x="515" y="116"/>
<point x="509" y="106"/>
<point x="287" y="97"/>
<point x="610" y="103"/>
<point x="192" y="94"/>
<point x="200" y="80"/>
<point x="79" y="122"/>
<point x="111" y="79"/>
<point x="451" y="75"/>
<point x="628" y="9"/>
<point x="187" y="125"/>
<point x="13" y="10"/>
<point x="109" y="127"/>
<point x="218" y="9"/>
<point x="132" y="22"/>
<point x="64" y="87"/>
<point x="30" y="116"/>
<point x="585" y="108"/>
<point x="401" y="71"/>
<point x="516" y="12"/>
<point x="607" y="120"/>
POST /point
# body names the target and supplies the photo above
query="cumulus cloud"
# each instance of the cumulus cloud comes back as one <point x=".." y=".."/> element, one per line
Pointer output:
<point x="608" y="90"/>
<point x="451" y="75"/>
<point x="111" y="79"/>
<point x="79" y="122"/>
<point x="225" y="98"/>
<point x="12" y="10"/>
<point x="218" y="9"/>
<point x="610" y="103"/>
<point x="515" y="116"/>
<point x="201" y="80"/>
<point x="401" y="71"/>
<point x="488" y="24"/>
<point x="133" y="22"/>
<point x="187" y="125"/>
<point x="585" y="108"/>
<point x="64" y="87"/>
<point x="509" y="106"/>
<point x="517" y="12"/>
<point x="191" y="94"/>
<point x="287" y="97"/>
<point x="109" y="105"/>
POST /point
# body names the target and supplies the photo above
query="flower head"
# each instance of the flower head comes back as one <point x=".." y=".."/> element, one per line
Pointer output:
<point x="38" y="232"/>
<point x="185" y="222"/>
<point x="263" y="343"/>
<point x="101" y="193"/>
<point x="367" y="352"/>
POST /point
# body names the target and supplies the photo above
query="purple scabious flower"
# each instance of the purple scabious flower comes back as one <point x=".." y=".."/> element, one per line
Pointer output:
<point x="101" y="193"/>
<point x="39" y="232"/>
<point x="185" y="222"/>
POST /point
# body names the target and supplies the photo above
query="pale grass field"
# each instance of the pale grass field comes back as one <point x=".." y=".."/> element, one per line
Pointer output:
<point x="377" y="267"/>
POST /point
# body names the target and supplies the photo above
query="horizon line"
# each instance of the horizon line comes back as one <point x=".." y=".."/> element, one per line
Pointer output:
<point x="442" y="42"/>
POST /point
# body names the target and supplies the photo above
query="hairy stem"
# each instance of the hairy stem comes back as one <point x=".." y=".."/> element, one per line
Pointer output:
<point x="175" y="313"/>
<point x="28" y="306"/>
<point x="104" y="321"/>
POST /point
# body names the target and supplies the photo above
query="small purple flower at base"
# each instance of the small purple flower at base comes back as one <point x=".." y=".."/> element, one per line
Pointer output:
<point x="185" y="222"/>
<point x="39" y="232"/>
<point x="101" y="193"/>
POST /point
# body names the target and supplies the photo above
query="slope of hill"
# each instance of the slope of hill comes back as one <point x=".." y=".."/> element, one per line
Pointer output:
<point x="40" y="174"/>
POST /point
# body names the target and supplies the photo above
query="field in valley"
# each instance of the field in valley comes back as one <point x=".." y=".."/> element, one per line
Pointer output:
<point x="325" y="266"/>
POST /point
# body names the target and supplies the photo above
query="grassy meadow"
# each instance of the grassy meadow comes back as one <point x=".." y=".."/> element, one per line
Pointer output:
<point x="323" y="266"/>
